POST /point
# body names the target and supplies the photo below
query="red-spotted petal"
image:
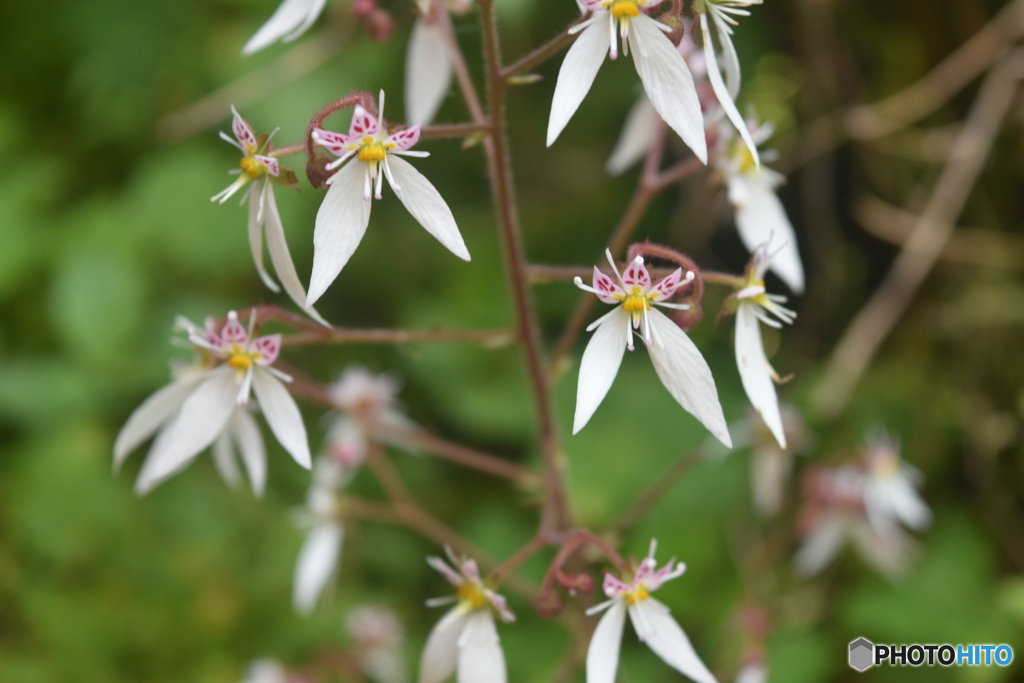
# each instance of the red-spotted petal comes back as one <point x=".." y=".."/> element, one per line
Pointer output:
<point x="668" y="285"/>
<point x="404" y="139"/>
<point x="273" y="168"/>
<point x="363" y="124"/>
<point x="242" y="130"/>
<point x="336" y="143"/>
<point x="606" y="287"/>
<point x="268" y="348"/>
<point x="234" y="333"/>
<point x="637" y="276"/>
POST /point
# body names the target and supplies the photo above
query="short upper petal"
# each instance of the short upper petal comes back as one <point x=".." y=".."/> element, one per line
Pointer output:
<point x="317" y="561"/>
<point x="282" y="414"/>
<point x="340" y="225"/>
<point x="686" y="375"/>
<point x="755" y="370"/>
<point x="603" y="653"/>
<point x="668" y="640"/>
<point x="428" y="72"/>
<point x="426" y="205"/>
<point x="481" y="659"/>
<point x="599" y="365"/>
<point x="148" y="417"/>
<point x="577" y="74"/>
<point x="668" y="83"/>
<point x="441" y="652"/>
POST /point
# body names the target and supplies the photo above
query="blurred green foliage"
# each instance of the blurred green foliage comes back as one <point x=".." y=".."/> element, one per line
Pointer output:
<point x="106" y="233"/>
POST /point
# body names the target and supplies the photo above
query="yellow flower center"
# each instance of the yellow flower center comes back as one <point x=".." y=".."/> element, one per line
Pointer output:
<point x="625" y="9"/>
<point x="474" y="594"/>
<point x="374" y="151"/>
<point x="636" y="595"/>
<point x="240" y="359"/>
<point x="252" y="167"/>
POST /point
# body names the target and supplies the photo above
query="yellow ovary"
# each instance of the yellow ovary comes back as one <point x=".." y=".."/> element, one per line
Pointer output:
<point x="636" y="595"/>
<point x="252" y="167"/>
<point x="474" y="594"/>
<point x="625" y="9"/>
<point x="240" y="359"/>
<point x="373" y="152"/>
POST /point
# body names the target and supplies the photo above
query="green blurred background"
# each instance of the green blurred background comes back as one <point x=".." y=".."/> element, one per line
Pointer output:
<point x="107" y="232"/>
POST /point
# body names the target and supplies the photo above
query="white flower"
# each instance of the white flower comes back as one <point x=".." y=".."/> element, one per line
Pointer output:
<point x="291" y="20"/>
<point x="676" y="359"/>
<point x="367" y="400"/>
<point x="321" y="551"/>
<point x="890" y="493"/>
<point x="760" y="216"/>
<point x="465" y="641"/>
<point x="753" y="673"/>
<point x="651" y="621"/>
<point x="662" y="70"/>
<point x="428" y="68"/>
<point x="345" y="211"/>
<point x="379" y="639"/>
<point x="258" y="169"/>
<point x="756" y="306"/>
<point x="207" y="404"/>
<point x="726" y="91"/>
<point x="266" y="671"/>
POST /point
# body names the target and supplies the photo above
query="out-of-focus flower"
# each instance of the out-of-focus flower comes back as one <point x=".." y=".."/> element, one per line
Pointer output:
<point x="760" y="216"/>
<point x="379" y="638"/>
<point x="428" y="66"/>
<point x="676" y="359"/>
<point x="890" y="492"/>
<point x="266" y="671"/>
<point x="367" y="400"/>
<point x="321" y="551"/>
<point x="260" y="172"/>
<point x="770" y="463"/>
<point x="755" y="672"/>
<point x="720" y="13"/>
<point x="755" y="306"/>
<point x="465" y="640"/>
<point x="651" y="621"/>
<point x="291" y="20"/>
<point x="207" y="403"/>
<point x="345" y="212"/>
<point x="662" y="70"/>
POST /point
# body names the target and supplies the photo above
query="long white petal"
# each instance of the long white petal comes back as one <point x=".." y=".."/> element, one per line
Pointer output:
<point x="201" y="419"/>
<point x="441" y="652"/>
<point x="820" y="546"/>
<point x="257" y="215"/>
<point x="756" y="371"/>
<point x="250" y="444"/>
<point x="668" y="83"/>
<point x="317" y="560"/>
<point x="147" y="418"/>
<point x="224" y="459"/>
<point x="290" y="20"/>
<point x="282" y="414"/>
<point x="428" y="73"/>
<point x="480" y="657"/>
<point x="760" y="217"/>
<point x="340" y="225"/>
<point x="636" y="137"/>
<point x="281" y="257"/>
<point x="686" y="375"/>
<point x="725" y="98"/>
<point x="730" y="60"/>
<point x="667" y="639"/>
<point x="908" y="506"/>
<point x="770" y="470"/>
<point x="603" y="653"/>
<point x="577" y="74"/>
<point x="599" y="365"/>
<point x="426" y="205"/>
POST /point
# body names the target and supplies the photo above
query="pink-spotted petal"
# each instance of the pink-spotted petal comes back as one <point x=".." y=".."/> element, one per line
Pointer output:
<point x="363" y="124"/>
<point x="243" y="133"/>
<point x="404" y="139"/>
<point x="668" y="285"/>
<point x="636" y="275"/>
<point x="268" y="348"/>
<point x="335" y="143"/>
<point x="270" y="163"/>
<point x="233" y="332"/>
<point x="614" y="587"/>
<point x="606" y="287"/>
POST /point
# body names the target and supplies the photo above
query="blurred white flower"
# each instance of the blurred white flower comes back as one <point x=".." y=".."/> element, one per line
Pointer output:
<point x="651" y="620"/>
<point x="291" y="20"/>
<point x="367" y="400"/>
<point x="662" y="70"/>
<point x="257" y="170"/>
<point x="266" y="671"/>
<point x="753" y="673"/>
<point x="676" y="359"/>
<point x="345" y="212"/>
<point x="379" y="638"/>
<point x="756" y="306"/>
<point x="465" y="641"/>
<point x="890" y="493"/>
<point x="206" y="404"/>
<point x="321" y="552"/>
<point x="760" y="217"/>
<point x="770" y="463"/>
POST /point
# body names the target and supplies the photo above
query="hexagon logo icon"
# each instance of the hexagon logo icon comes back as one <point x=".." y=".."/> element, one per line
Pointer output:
<point x="862" y="654"/>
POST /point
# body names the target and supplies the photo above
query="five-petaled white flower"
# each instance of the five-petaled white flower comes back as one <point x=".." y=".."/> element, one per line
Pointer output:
<point x="345" y="212"/>
<point x="720" y="13"/>
<point x="261" y="170"/>
<point x="321" y="551"/>
<point x="366" y="400"/>
<point x="465" y="641"/>
<point x="209" y="403"/>
<point x="890" y="493"/>
<point x="678" y="362"/>
<point x="662" y="70"/>
<point x="756" y="306"/>
<point x="651" y="621"/>
<point x="291" y="20"/>
<point x="760" y="216"/>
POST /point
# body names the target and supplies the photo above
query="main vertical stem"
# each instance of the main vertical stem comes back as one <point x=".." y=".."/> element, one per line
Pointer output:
<point x="554" y="516"/>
